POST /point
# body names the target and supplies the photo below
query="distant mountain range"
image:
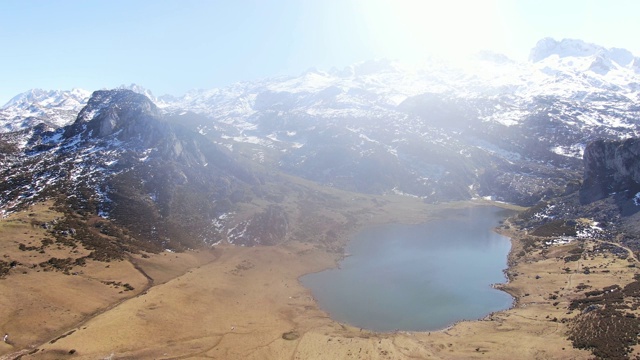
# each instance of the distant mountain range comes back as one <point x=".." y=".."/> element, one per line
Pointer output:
<point x="486" y="127"/>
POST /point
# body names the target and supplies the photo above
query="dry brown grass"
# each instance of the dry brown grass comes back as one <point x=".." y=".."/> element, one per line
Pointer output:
<point x="39" y="303"/>
<point x="246" y="303"/>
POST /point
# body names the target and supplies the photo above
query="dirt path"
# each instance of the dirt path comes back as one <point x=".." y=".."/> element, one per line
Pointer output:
<point x="66" y="332"/>
<point x="631" y="253"/>
<point x="71" y="329"/>
<point x="150" y="280"/>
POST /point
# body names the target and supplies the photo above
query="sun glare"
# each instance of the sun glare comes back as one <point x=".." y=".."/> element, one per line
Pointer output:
<point x="412" y="30"/>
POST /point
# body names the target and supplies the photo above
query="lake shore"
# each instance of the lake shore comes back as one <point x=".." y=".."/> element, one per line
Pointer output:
<point x="399" y="276"/>
<point x="247" y="303"/>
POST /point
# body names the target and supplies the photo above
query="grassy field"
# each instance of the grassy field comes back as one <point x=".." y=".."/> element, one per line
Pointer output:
<point x="235" y="302"/>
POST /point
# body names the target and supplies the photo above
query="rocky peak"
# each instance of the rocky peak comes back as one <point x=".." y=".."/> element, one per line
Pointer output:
<point x="48" y="97"/>
<point x="124" y="119"/>
<point x="140" y="90"/>
<point x="564" y="48"/>
<point x="55" y="108"/>
<point x="110" y="111"/>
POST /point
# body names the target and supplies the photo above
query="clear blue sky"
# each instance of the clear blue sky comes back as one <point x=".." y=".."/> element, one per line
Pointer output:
<point x="174" y="46"/>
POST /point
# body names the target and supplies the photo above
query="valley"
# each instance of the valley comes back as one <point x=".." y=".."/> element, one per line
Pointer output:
<point x="136" y="226"/>
<point x="247" y="302"/>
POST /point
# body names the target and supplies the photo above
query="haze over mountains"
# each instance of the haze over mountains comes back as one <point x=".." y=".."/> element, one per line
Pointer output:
<point x="124" y="206"/>
<point x="487" y="127"/>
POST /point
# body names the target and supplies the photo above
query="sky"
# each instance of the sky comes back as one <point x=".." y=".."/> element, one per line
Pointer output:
<point x="171" y="46"/>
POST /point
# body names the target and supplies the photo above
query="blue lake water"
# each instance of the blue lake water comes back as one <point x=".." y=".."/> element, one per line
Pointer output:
<point x="418" y="277"/>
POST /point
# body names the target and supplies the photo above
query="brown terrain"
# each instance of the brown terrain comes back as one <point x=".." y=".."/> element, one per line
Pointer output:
<point x="233" y="302"/>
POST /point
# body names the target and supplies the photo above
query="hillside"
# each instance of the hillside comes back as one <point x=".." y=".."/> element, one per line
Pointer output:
<point x="605" y="204"/>
<point x="131" y="215"/>
<point x="486" y="127"/>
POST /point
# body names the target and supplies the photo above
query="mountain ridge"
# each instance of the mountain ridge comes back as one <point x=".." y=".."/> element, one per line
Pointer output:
<point x="120" y="160"/>
<point x="503" y="131"/>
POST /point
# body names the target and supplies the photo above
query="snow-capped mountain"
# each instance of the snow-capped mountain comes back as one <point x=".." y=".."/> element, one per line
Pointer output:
<point x="570" y="68"/>
<point x="571" y="48"/>
<point x="54" y="108"/>
<point x="484" y="127"/>
<point x="120" y="160"/>
<point x="512" y="125"/>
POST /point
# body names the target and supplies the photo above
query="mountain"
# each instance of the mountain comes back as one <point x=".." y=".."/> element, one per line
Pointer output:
<point x="489" y="127"/>
<point x="572" y="49"/>
<point x="486" y="127"/>
<point x="605" y="204"/>
<point x="54" y="108"/>
<point x="121" y="160"/>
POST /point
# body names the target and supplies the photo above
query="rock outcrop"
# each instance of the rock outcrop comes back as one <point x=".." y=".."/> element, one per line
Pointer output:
<point x="112" y="111"/>
<point x="610" y="167"/>
<point x="122" y="160"/>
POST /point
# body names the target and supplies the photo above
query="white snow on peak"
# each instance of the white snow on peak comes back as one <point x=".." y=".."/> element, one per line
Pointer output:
<point x="49" y="98"/>
<point x="55" y="108"/>
<point x="564" y="48"/>
<point x="143" y="91"/>
<point x="600" y="57"/>
<point x="572" y="70"/>
<point x="310" y="81"/>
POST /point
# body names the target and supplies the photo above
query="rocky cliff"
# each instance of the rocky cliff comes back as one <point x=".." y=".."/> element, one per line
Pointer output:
<point x="605" y="206"/>
<point x="121" y="160"/>
<point x="610" y="167"/>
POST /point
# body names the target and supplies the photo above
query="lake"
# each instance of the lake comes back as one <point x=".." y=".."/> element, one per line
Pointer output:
<point x="418" y="277"/>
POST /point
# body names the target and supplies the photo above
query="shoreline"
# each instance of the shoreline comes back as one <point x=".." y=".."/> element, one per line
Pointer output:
<point x="250" y="304"/>
<point x="495" y="286"/>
